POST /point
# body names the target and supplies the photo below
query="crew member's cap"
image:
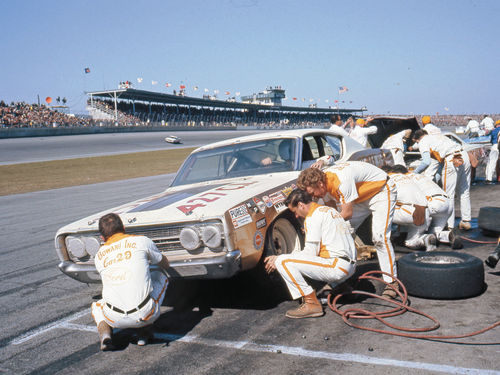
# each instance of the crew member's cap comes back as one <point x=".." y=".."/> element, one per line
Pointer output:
<point x="426" y="120"/>
<point x="497" y="122"/>
<point x="360" y="121"/>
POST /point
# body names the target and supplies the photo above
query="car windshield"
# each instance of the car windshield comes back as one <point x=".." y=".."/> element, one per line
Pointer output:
<point x="239" y="159"/>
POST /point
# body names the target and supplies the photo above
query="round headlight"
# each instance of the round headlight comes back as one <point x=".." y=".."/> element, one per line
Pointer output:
<point x="211" y="236"/>
<point x="75" y="246"/>
<point x="190" y="240"/>
<point x="92" y="245"/>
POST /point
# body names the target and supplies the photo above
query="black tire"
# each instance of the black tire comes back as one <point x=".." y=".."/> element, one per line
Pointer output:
<point x="489" y="220"/>
<point x="441" y="274"/>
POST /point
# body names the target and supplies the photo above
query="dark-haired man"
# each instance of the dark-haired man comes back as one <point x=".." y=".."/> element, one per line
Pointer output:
<point x="329" y="253"/>
<point x="131" y="293"/>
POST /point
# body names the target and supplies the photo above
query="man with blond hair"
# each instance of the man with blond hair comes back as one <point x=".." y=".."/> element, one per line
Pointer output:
<point x="360" y="189"/>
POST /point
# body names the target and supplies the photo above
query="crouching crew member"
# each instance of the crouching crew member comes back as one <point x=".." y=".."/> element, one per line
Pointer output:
<point x="329" y="253"/>
<point x="131" y="293"/>
<point x="411" y="210"/>
<point x="361" y="189"/>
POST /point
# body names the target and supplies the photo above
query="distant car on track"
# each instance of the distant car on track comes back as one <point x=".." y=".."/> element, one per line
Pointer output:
<point x="172" y="139"/>
<point x="225" y="208"/>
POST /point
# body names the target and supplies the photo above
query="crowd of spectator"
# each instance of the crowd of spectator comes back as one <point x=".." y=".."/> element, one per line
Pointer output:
<point x="22" y="114"/>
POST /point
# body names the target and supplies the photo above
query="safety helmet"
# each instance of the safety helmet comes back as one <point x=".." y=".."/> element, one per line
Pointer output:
<point x="497" y="122"/>
<point x="360" y="121"/>
<point x="426" y="120"/>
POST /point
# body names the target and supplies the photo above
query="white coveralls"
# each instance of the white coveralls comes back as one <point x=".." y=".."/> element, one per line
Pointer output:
<point x="396" y="145"/>
<point x="329" y="253"/>
<point x="433" y="167"/>
<point x="127" y="283"/>
<point x="360" y="133"/>
<point x="488" y="124"/>
<point x="493" y="157"/>
<point x="369" y="189"/>
<point x="473" y="128"/>
<point x="408" y="196"/>
<point x="439" y="205"/>
<point x="442" y="149"/>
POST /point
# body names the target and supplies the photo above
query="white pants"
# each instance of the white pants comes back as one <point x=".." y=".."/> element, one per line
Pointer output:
<point x="398" y="156"/>
<point x="145" y="316"/>
<point x="432" y="169"/>
<point x="381" y="206"/>
<point x="492" y="162"/>
<point x="457" y="179"/>
<point x="403" y="215"/>
<point x="440" y="209"/>
<point x="294" y="267"/>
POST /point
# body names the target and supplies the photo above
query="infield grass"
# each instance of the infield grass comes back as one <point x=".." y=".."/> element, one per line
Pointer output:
<point x="28" y="177"/>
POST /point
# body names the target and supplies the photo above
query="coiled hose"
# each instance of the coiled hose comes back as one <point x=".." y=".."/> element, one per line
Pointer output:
<point x="402" y="306"/>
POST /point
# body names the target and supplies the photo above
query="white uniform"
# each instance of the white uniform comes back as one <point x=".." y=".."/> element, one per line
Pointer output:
<point x="439" y="205"/>
<point x="340" y="129"/>
<point x="360" y="133"/>
<point x="442" y="149"/>
<point x="432" y="129"/>
<point x="472" y="127"/>
<point x="131" y="293"/>
<point x="329" y="253"/>
<point x="408" y="196"/>
<point x="488" y="124"/>
<point x="367" y="187"/>
<point x="433" y="167"/>
<point x="395" y="143"/>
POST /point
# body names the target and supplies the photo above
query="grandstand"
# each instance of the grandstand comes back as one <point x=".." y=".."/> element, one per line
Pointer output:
<point x="132" y="107"/>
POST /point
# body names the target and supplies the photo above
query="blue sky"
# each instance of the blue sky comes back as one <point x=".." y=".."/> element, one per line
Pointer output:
<point x="394" y="56"/>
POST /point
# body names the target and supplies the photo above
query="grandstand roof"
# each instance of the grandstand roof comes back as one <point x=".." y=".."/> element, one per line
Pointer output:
<point x="156" y="97"/>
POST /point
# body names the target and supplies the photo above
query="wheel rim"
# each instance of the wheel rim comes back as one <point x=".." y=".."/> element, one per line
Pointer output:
<point x="439" y="259"/>
<point x="284" y="237"/>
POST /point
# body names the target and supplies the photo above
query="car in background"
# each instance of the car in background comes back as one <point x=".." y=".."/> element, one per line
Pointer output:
<point x="172" y="139"/>
<point x="225" y="208"/>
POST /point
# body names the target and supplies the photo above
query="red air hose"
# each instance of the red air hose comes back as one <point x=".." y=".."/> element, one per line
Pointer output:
<point x="402" y="306"/>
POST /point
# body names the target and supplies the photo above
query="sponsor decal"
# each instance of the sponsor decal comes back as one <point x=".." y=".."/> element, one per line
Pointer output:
<point x="280" y="207"/>
<point x="240" y="216"/>
<point x="287" y="191"/>
<point x="261" y="223"/>
<point x="260" y="204"/>
<point x="258" y="240"/>
<point x="267" y="201"/>
<point x="277" y="197"/>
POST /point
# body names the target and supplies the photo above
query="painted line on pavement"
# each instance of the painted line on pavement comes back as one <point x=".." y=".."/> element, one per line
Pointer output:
<point x="264" y="348"/>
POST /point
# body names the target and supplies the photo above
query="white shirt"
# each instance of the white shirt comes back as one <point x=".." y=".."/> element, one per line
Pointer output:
<point x="340" y="129"/>
<point x="472" y="126"/>
<point x="354" y="181"/>
<point x="328" y="233"/>
<point x="360" y="133"/>
<point x="488" y="123"/>
<point x="438" y="145"/>
<point x="407" y="191"/>
<point x="123" y="263"/>
<point x="395" y="141"/>
<point x="426" y="185"/>
<point x="432" y="129"/>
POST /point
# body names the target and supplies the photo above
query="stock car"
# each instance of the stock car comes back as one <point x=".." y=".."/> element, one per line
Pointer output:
<point x="225" y="208"/>
<point x="173" y="139"/>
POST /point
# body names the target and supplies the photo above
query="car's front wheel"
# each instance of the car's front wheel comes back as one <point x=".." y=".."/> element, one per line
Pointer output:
<point x="282" y="237"/>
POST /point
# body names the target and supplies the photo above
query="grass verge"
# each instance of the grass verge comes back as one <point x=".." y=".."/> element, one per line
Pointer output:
<point x="28" y="177"/>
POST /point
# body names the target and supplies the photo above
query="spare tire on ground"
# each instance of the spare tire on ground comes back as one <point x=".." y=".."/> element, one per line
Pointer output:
<point x="489" y="220"/>
<point x="441" y="274"/>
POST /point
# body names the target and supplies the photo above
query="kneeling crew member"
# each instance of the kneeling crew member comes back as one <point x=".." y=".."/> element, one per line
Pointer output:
<point x="131" y="293"/>
<point x="329" y="253"/>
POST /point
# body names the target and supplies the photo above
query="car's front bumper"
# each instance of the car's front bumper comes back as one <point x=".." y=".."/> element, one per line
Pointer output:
<point x="218" y="267"/>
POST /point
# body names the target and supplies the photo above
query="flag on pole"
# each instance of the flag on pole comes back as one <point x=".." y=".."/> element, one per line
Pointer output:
<point x="228" y="93"/>
<point x="154" y="82"/>
<point x="238" y="93"/>
<point x="182" y="87"/>
<point x="206" y="90"/>
<point x="139" y="80"/>
<point x="195" y="88"/>
<point x="343" y="89"/>
<point x="86" y="70"/>
<point x="168" y="84"/>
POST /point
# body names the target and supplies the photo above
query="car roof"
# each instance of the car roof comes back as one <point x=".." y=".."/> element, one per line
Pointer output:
<point x="266" y="135"/>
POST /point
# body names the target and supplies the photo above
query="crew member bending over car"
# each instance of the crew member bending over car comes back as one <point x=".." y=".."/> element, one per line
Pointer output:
<point x="456" y="172"/>
<point x="131" y="293"/>
<point x="329" y="253"/>
<point x="361" y="189"/>
<point x="396" y="144"/>
<point x="361" y="132"/>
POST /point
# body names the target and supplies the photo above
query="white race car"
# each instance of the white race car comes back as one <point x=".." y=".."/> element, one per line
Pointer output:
<point x="225" y="208"/>
<point x="172" y="139"/>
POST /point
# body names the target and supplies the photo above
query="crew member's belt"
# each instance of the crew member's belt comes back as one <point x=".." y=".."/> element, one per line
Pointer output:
<point x="457" y="152"/>
<point x="140" y="306"/>
<point x="343" y="257"/>
<point x="439" y="195"/>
